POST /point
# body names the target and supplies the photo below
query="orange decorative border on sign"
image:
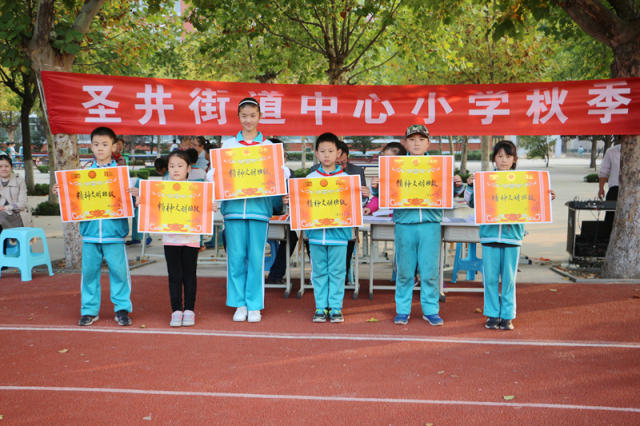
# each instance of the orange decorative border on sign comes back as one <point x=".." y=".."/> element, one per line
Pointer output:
<point x="416" y="181"/>
<point x="325" y="202"/>
<point x="172" y="207"/>
<point x="504" y="197"/>
<point x="90" y="194"/>
<point x="248" y="172"/>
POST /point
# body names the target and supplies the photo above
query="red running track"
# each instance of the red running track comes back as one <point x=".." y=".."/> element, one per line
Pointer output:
<point x="573" y="358"/>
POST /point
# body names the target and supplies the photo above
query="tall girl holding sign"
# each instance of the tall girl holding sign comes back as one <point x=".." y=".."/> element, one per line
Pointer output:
<point x="246" y="222"/>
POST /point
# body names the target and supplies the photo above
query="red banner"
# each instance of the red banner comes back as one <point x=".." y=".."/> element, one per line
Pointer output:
<point x="77" y="103"/>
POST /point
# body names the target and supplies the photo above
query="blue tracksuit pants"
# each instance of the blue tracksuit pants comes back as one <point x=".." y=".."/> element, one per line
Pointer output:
<point x="246" y="239"/>
<point x="497" y="262"/>
<point x="418" y="249"/>
<point x="119" y="278"/>
<point x="328" y="272"/>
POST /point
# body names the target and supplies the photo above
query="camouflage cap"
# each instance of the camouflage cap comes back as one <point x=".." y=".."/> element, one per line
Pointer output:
<point x="417" y="128"/>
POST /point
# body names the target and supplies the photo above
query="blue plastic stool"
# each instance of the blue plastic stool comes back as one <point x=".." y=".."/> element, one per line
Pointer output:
<point x="24" y="259"/>
<point x="472" y="264"/>
<point x="268" y="260"/>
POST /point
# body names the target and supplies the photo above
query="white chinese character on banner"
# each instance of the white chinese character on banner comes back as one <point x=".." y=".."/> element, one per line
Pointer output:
<point x="149" y="97"/>
<point x="318" y="106"/>
<point x="491" y="101"/>
<point x="270" y="107"/>
<point x="547" y="100"/>
<point x="608" y="100"/>
<point x="105" y="106"/>
<point x="208" y="105"/>
<point x="368" y="106"/>
<point x="431" y="107"/>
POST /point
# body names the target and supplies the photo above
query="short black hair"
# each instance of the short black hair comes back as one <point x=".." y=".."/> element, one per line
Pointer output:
<point x="400" y="149"/>
<point x="5" y="157"/>
<point x="192" y="155"/>
<point x="161" y="163"/>
<point x="344" y="147"/>
<point x="104" y="131"/>
<point x="509" y="149"/>
<point x="275" y="140"/>
<point x="202" y="141"/>
<point x="327" y="137"/>
<point x="184" y="154"/>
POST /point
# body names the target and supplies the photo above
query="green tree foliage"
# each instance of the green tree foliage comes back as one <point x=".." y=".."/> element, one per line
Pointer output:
<point x="537" y="147"/>
<point x="338" y="34"/>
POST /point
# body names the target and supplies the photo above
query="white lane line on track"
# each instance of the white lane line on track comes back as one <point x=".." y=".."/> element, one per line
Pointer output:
<point x="321" y="398"/>
<point x="343" y="337"/>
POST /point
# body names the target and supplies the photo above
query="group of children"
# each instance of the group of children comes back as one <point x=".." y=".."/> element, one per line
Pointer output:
<point x="417" y="241"/>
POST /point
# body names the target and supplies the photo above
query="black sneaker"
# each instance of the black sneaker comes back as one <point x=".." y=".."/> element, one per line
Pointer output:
<point x="122" y="317"/>
<point x="506" y="324"/>
<point x="321" y="315"/>
<point x="87" y="320"/>
<point x="132" y="242"/>
<point x="336" y="315"/>
<point x="492" y="323"/>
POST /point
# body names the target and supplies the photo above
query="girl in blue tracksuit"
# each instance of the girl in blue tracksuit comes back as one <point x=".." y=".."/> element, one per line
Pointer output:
<point x="500" y="252"/>
<point x="328" y="246"/>
<point x="246" y="222"/>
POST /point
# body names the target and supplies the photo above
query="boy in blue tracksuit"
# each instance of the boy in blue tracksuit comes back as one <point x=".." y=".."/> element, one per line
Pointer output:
<point x="104" y="238"/>
<point x="328" y="246"/>
<point x="500" y="252"/>
<point x="417" y="244"/>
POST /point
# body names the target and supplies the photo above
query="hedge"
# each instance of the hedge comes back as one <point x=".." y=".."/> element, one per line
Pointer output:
<point x="47" y="209"/>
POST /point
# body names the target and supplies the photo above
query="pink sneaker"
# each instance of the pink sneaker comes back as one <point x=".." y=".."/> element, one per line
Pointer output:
<point x="176" y="319"/>
<point x="188" y="318"/>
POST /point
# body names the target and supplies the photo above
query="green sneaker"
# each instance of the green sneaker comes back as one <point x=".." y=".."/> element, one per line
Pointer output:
<point x="321" y="315"/>
<point x="336" y="315"/>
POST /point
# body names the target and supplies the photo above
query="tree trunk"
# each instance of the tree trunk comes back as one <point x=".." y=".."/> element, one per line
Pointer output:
<point x="486" y="153"/>
<point x="53" y="198"/>
<point x="464" y="154"/>
<point x="617" y="27"/>
<point x="43" y="57"/>
<point x="25" y="110"/>
<point x="66" y="155"/>
<point x="594" y="152"/>
<point x="451" y="149"/>
<point x="303" y="157"/>
<point x="623" y="253"/>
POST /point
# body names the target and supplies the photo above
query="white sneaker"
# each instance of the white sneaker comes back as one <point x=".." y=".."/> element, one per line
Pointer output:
<point x="241" y="314"/>
<point x="254" y="316"/>
<point x="188" y="318"/>
<point x="176" y="319"/>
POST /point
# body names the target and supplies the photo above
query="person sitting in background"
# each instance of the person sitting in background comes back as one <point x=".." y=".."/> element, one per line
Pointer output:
<point x="14" y="212"/>
<point x="118" y="147"/>
<point x="200" y="144"/>
<point x="392" y="148"/>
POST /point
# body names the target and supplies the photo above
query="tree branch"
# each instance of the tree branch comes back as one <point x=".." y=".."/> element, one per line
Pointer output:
<point x="625" y="9"/>
<point x="599" y="21"/>
<point x="89" y="10"/>
<point x="350" y="80"/>
<point x="382" y="29"/>
<point x="10" y="82"/>
<point x="292" y="40"/>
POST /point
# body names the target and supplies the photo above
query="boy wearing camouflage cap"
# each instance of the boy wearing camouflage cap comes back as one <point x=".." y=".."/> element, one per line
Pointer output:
<point x="417" y="242"/>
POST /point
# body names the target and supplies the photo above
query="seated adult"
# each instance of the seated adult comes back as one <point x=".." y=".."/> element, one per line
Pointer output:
<point x="14" y="211"/>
